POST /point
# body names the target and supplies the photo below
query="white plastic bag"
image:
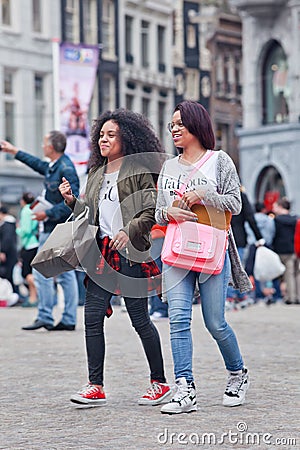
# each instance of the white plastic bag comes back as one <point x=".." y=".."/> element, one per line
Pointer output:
<point x="17" y="274"/>
<point x="267" y="265"/>
<point x="7" y="296"/>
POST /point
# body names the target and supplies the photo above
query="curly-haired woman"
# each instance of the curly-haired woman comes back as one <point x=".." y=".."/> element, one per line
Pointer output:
<point x="121" y="196"/>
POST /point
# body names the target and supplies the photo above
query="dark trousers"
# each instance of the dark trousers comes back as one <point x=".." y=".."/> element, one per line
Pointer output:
<point x="96" y="303"/>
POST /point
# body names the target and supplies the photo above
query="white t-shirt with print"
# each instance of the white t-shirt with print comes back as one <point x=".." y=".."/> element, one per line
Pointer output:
<point x="176" y="174"/>
<point x="110" y="217"/>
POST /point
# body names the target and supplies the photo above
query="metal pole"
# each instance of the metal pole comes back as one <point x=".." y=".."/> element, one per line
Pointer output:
<point x="56" y="93"/>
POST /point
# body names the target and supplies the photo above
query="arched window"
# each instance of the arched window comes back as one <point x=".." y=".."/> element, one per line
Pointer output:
<point x="269" y="186"/>
<point x="275" y="85"/>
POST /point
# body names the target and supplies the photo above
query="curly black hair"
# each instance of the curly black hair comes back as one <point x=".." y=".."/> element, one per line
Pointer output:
<point x="136" y="136"/>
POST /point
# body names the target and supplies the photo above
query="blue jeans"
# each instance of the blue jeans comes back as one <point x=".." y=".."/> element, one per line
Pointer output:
<point x="47" y="295"/>
<point x="180" y="285"/>
<point x="80" y="277"/>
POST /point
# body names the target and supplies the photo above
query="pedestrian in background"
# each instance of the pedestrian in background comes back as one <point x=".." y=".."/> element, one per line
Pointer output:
<point x="283" y="245"/>
<point x="60" y="165"/>
<point x="217" y="185"/>
<point x="238" y="226"/>
<point x="8" y="245"/>
<point x="266" y="226"/>
<point x="121" y="195"/>
<point x="27" y="230"/>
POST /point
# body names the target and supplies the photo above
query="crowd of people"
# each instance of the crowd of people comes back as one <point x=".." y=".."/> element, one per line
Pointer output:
<point x="132" y="196"/>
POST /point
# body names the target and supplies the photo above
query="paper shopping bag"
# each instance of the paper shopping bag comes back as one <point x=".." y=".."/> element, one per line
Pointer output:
<point x="66" y="247"/>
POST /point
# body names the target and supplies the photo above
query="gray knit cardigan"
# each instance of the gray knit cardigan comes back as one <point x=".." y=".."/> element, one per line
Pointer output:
<point x="227" y="197"/>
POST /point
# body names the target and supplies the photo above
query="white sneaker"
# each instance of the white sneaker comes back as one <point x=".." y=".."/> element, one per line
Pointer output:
<point x="157" y="316"/>
<point x="184" y="400"/>
<point x="237" y="386"/>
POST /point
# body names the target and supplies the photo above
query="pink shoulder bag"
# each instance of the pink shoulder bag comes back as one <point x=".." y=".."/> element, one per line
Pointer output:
<point x="193" y="245"/>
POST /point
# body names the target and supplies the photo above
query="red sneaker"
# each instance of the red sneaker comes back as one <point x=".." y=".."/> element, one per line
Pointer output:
<point x="89" y="394"/>
<point x="156" y="394"/>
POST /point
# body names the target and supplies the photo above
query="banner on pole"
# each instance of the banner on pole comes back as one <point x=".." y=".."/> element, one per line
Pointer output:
<point x="77" y="73"/>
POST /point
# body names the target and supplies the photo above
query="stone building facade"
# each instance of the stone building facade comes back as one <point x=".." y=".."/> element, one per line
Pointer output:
<point x="270" y="135"/>
<point x="26" y="107"/>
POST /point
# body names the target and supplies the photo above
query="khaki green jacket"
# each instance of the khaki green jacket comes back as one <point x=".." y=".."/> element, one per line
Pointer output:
<point x="137" y="196"/>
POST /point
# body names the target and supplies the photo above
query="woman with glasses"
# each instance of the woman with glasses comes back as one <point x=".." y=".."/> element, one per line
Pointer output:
<point x="217" y="185"/>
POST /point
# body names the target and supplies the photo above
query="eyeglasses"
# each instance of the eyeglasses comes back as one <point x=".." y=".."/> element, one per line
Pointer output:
<point x="171" y="125"/>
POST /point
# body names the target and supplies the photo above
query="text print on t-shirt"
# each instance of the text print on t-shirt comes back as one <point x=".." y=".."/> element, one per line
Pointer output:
<point x="172" y="185"/>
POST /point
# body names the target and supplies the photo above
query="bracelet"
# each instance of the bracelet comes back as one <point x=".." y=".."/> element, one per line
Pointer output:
<point x="164" y="213"/>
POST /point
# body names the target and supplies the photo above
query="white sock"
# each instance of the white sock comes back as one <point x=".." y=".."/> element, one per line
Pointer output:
<point x="236" y="372"/>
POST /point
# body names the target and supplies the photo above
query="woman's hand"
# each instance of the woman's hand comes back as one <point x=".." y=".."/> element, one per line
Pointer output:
<point x="66" y="191"/>
<point x="119" y="241"/>
<point x="192" y="198"/>
<point x="178" y="214"/>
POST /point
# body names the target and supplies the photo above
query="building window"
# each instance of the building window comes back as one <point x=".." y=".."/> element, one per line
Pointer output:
<point x="146" y="107"/>
<point x="36" y="16"/>
<point x="191" y="36"/>
<point x="269" y="186"/>
<point x="9" y="121"/>
<point x="128" y="39"/>
<point x="108" y="28"/>
<point x="145" y="44"/>
<point x="220" y="75"/>
<point x="230" y="76"/>
<point x="222" y="136"/>
<point x="90" y="21"/>
<point x="109" y="92"/>
<point x="161" y="50"/>
<point x="8" y="82"/>
<point x="129" y="101"/>
<point x="161" y="121"/>
<point x="72" y="25"/>
<point x="275" y="86"/>
<point x="39" y="109"/>
<point x="38" y="88"/>
<point x="238" y="76"/>
<point x="9" y="106"/>
<point x="6" y="12"/>
<point x="192" y="91"/>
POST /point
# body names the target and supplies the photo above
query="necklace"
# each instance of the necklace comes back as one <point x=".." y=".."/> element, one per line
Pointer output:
<point x="182" y="158"/>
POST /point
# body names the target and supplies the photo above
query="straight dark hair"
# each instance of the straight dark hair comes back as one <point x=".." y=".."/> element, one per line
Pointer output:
<point x="197" y="120"/>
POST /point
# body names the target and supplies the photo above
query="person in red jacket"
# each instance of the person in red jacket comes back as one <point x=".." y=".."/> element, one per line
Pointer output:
<point x="297" y="239"/>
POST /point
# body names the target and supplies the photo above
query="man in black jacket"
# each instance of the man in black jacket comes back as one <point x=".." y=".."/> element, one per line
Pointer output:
<point x="8" y="245"/>
<point x="283" y="245"/>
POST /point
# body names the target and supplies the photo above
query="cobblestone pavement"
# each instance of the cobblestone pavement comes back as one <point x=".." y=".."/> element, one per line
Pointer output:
<point x="40" y="370"/>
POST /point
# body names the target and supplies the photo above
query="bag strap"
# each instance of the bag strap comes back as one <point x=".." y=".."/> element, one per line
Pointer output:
<point x="196" y="168"/>
<point x="84" y="214"/>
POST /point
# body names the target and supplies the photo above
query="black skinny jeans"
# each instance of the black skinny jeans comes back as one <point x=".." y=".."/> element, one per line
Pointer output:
<point x="96" y="303"/>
